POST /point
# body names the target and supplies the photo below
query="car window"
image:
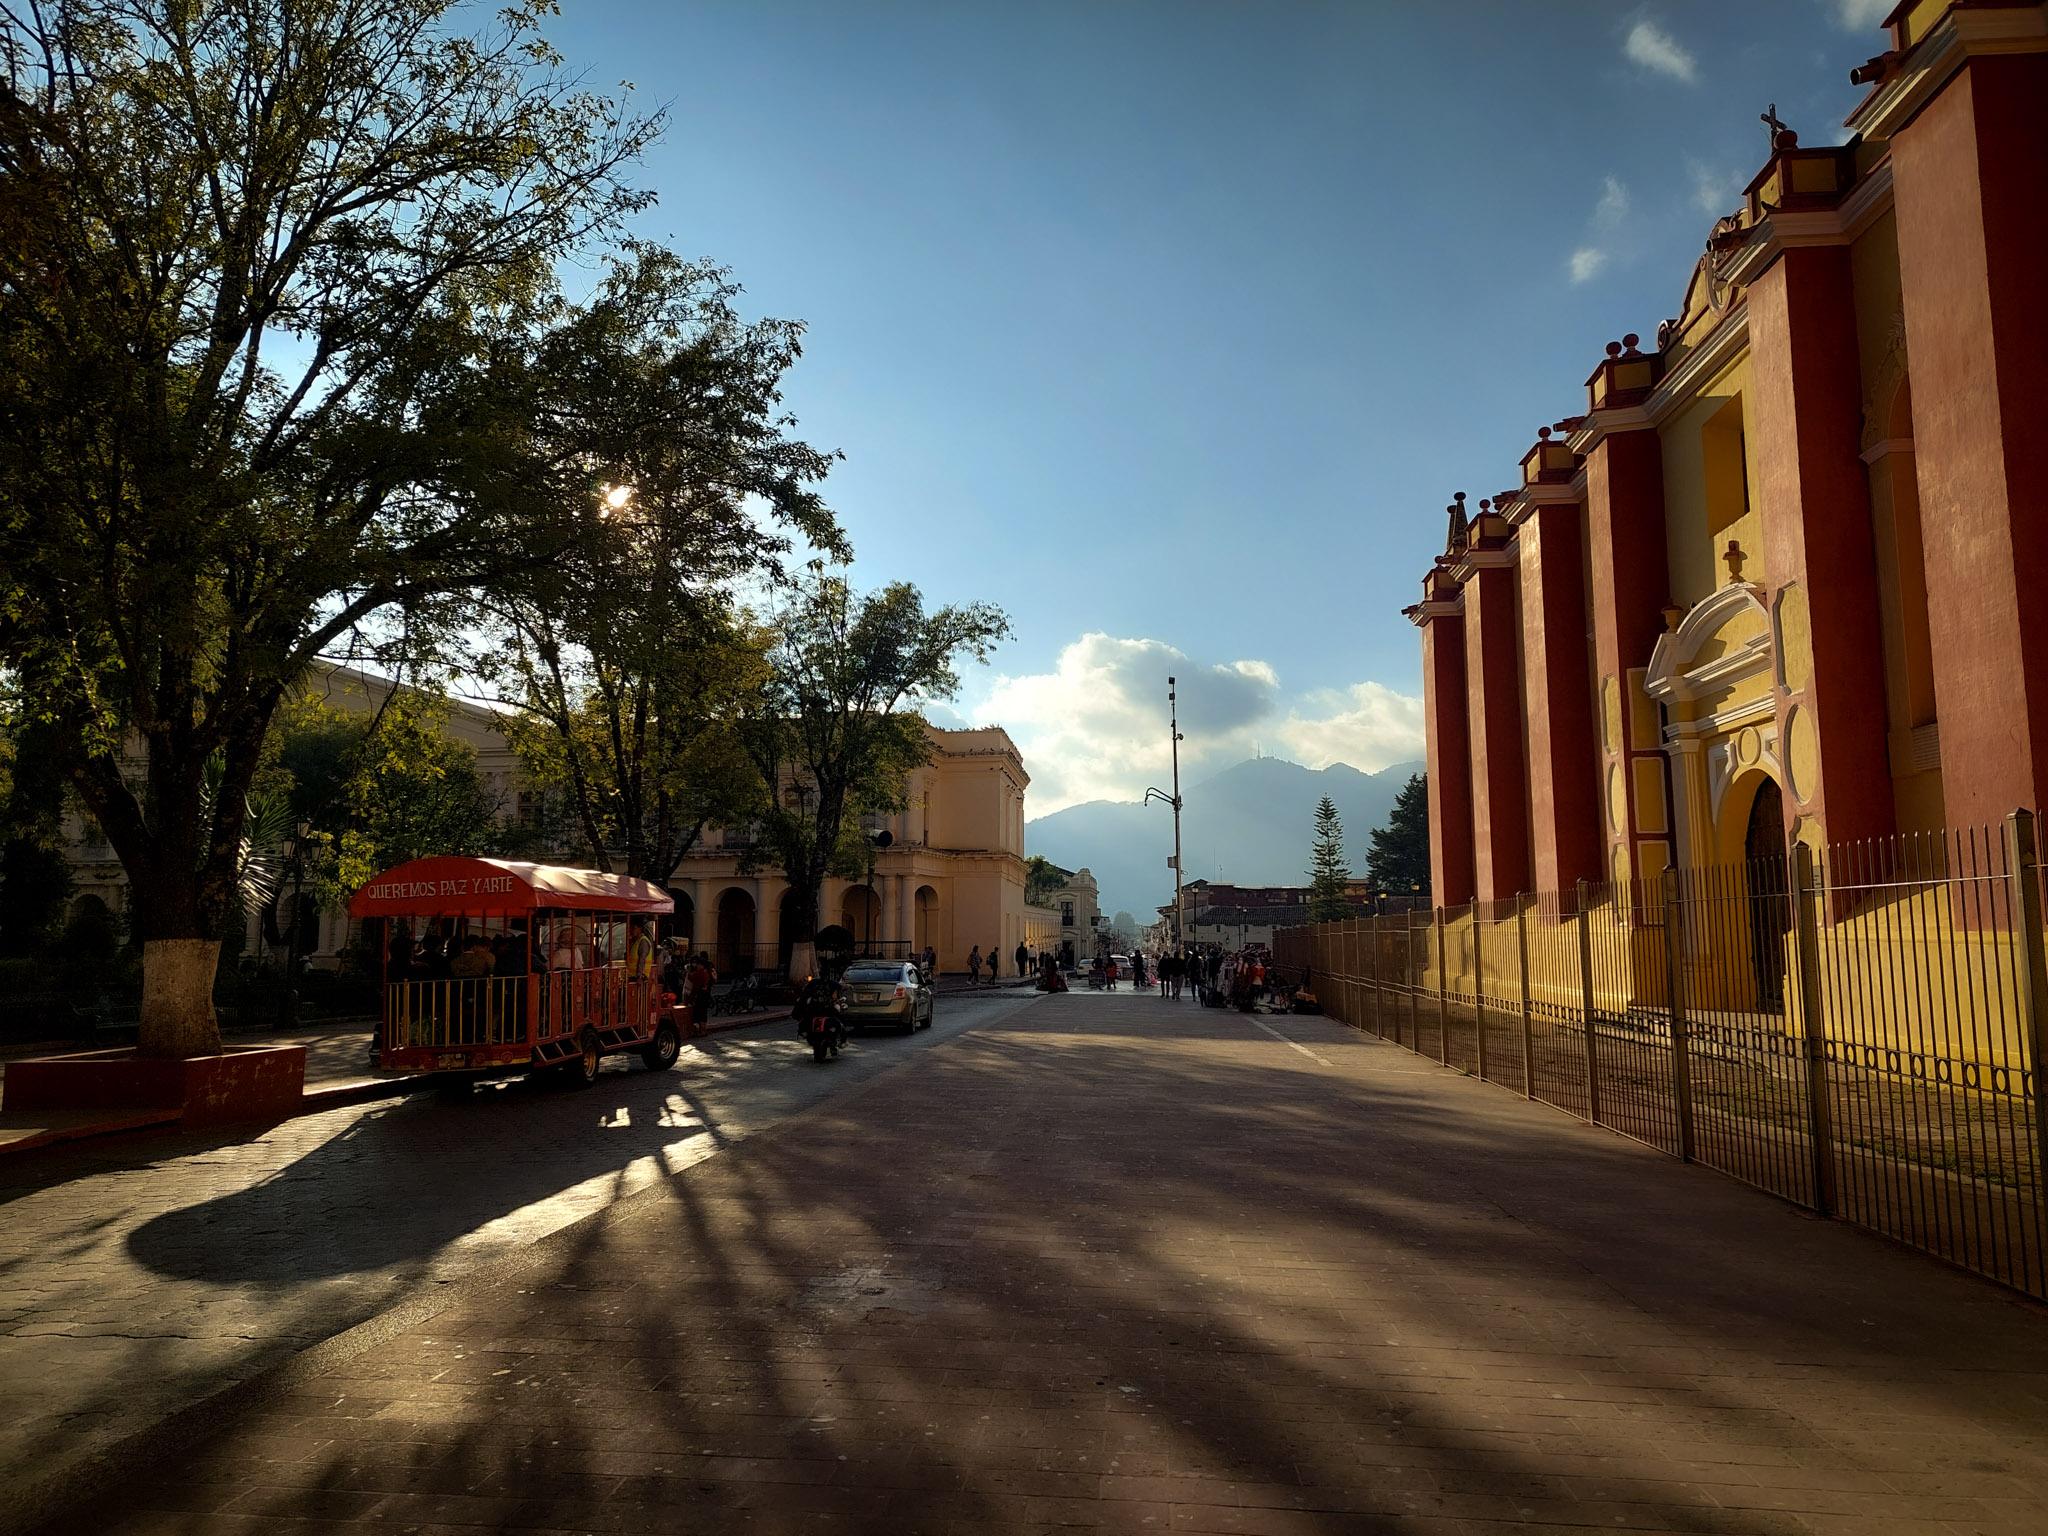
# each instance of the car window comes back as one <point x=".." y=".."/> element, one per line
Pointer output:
<point x="872" y="973"/>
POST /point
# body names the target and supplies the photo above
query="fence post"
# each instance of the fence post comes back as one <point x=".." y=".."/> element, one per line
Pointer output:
<point x="1373" y="972"/>
<point x="1522" y="945"/>
<point x="2023" y="861"/>
<point x="1586" y="1005"/>
<point x="1806" y="918"/>
<point x="1443" y="995"/>
<point x="1478" y="995"/>
<point x="1681" y="1053"/>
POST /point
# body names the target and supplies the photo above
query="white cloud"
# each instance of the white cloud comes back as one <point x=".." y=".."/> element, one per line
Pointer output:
<point x="1586" y="263"/>
<point x="1367" y="725"/>
<point x="1859" y="15"/>
<point x="1095" y="726"/>
<point x="1715" y="192"/>
<point x="1652" y="47"/>
<point x="1613" y="205"/>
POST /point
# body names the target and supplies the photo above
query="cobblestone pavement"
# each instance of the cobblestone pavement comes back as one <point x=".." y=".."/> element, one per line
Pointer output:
<point x="1109" y="1263"/>
<point x="139" y="1275"/>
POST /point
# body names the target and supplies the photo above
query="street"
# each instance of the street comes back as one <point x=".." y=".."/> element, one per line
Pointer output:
<point x="144" y="1273"/>
<point x="1091" y="1260"/>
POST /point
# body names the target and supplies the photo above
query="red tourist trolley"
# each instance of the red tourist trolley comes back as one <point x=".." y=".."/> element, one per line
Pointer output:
<point x="490" y="963"/>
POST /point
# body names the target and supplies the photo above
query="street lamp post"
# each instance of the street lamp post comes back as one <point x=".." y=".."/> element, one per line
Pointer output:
<point x="1173" y="729"/>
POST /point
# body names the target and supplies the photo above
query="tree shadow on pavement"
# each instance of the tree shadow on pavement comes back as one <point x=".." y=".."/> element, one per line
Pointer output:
<point x="1063" y="1276"/>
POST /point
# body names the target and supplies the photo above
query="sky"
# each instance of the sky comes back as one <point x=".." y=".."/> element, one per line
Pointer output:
<point x="1172" y="326"/>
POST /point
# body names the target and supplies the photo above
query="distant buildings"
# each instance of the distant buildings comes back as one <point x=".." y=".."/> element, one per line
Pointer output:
<point x="952" y="877"/>
<point x="1236" y="915"/>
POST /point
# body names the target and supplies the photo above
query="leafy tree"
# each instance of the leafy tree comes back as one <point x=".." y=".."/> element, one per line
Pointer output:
<point x="273" y="275"/>
<point x="1042" y="878"/>
<point x="1399" y="856"/>
<point x="629" y="669"/>
<point x="381" y="790"/>
<point x="1328" y="876"/>
<point x="35" y="875"/>
<point x="837" y="730"/>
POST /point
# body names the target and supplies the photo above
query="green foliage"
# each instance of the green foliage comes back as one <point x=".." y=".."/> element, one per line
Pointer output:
<point x="1398" y="859"/>
<point x="35" y="883"/>
<point x="276" y="283"/>
<point x="836" y="731"/>
<point x="377" y="792"/>
<point x="1328" y="875"/>
<point x="628" y="668"/>
<point x="1042" y="878"/>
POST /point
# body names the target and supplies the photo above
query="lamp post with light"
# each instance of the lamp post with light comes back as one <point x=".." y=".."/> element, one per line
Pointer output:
<point x="1173" y="730"/>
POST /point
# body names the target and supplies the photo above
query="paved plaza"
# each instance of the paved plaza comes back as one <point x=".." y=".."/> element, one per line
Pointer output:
<point x="1088" y="1260"/>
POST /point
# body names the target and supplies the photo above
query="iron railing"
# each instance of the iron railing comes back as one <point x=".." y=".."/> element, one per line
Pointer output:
<point x="1857" y="1030"/>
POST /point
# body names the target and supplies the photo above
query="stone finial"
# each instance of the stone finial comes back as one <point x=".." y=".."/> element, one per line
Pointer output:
<point x="1734" y="557"/>
<point x="1673" y="616"/>
<point x="1543" y="434"/>
<point x="1614" y="349"/>
<point x="1628" y="345"/>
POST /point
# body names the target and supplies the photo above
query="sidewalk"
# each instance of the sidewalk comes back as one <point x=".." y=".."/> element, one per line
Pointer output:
<point x="1112" y="1263"/>
<point x="338" y="1071"/>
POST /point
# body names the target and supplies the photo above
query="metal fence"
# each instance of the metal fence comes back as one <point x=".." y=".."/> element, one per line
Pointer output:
<point x="1857" y="1029"/>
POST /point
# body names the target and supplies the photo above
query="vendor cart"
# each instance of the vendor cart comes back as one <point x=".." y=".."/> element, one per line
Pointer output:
<point x="490" y="964"/>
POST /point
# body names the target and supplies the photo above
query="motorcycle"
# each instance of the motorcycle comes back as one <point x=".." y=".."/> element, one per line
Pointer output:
<point x="819" y="1023"/>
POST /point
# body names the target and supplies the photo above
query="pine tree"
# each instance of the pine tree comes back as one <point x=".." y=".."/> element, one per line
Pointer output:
<point x="1399" y="857"/>
<point x="1328" y="877"/>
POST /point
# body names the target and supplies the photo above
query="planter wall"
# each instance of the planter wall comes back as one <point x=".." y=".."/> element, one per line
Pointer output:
<point x="242" y="1083"/>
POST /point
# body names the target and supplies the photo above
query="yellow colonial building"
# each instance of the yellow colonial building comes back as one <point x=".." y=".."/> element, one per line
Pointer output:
<point x="952" y="876"/>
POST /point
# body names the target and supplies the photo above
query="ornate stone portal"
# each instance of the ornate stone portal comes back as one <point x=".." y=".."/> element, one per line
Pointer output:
<point x="1713" y="674"/>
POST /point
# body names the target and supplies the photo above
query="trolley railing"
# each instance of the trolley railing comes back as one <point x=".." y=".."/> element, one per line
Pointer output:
<point x="1858" y="1030"/>
<point x="449" y="1012"/>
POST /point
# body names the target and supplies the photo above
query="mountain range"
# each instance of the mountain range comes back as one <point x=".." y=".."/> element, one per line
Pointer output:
<point x="1251" y="824"/>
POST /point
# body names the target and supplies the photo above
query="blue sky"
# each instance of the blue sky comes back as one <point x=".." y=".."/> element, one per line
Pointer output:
<point x="1173" y="326"/>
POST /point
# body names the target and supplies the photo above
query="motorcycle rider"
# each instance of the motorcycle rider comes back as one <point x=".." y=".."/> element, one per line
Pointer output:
<point x="819" y="999"/>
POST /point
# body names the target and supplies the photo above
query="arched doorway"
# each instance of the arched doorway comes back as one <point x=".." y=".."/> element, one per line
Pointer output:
<point x="860" y="913"/>
<point x="927" y="919"/>
<point x="1770" y="906"/>
<point x="735" y="932"/>
<point x="680" y="925"/>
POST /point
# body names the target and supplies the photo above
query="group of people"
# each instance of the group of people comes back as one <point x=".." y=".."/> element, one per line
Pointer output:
<point x="1028" y="961"/>
<point x="1240" y="979"/>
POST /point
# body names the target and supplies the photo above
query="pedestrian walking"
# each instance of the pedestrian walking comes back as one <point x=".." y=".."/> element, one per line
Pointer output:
<point x="1023" y="960"/>
<point x="931" y="965"/>
<point x="974" y="966"/>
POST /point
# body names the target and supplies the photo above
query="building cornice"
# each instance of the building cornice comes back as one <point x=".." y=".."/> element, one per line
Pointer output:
<point x="1784" y="229"/>
<point x="1436" y="608"/>
<point x="1961" y="35"/>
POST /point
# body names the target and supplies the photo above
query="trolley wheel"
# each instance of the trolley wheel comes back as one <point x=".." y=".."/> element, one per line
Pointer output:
<point x="660" y="1053"/>
<point x="589" y="1061"/>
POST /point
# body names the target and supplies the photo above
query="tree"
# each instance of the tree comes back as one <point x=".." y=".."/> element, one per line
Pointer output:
<point x="272" y="277"/>
<point x="837" y="730"/>
<point x="1398" y="859"/>
<point x="1042" y="878"/>
<point x="1328" y="877"/>
<point x="377" y="792"/>
<point x="629" y="669"/>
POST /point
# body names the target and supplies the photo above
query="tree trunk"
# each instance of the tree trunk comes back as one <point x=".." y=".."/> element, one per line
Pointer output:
<point x="177" y="998"/>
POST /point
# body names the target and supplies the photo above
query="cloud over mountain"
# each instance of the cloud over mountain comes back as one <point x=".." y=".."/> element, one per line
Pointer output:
<point x="1094" y="727"/>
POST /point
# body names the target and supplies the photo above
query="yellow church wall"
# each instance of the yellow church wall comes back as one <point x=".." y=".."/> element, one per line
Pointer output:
<point x="1700" y="492"/>
<point x="1897" y="974"/>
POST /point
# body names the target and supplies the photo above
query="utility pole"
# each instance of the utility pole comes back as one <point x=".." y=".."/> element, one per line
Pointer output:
<point x="1173" y="727"/>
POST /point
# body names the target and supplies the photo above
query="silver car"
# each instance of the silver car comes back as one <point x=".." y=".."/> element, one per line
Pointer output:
<point x="885" y="992"/>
